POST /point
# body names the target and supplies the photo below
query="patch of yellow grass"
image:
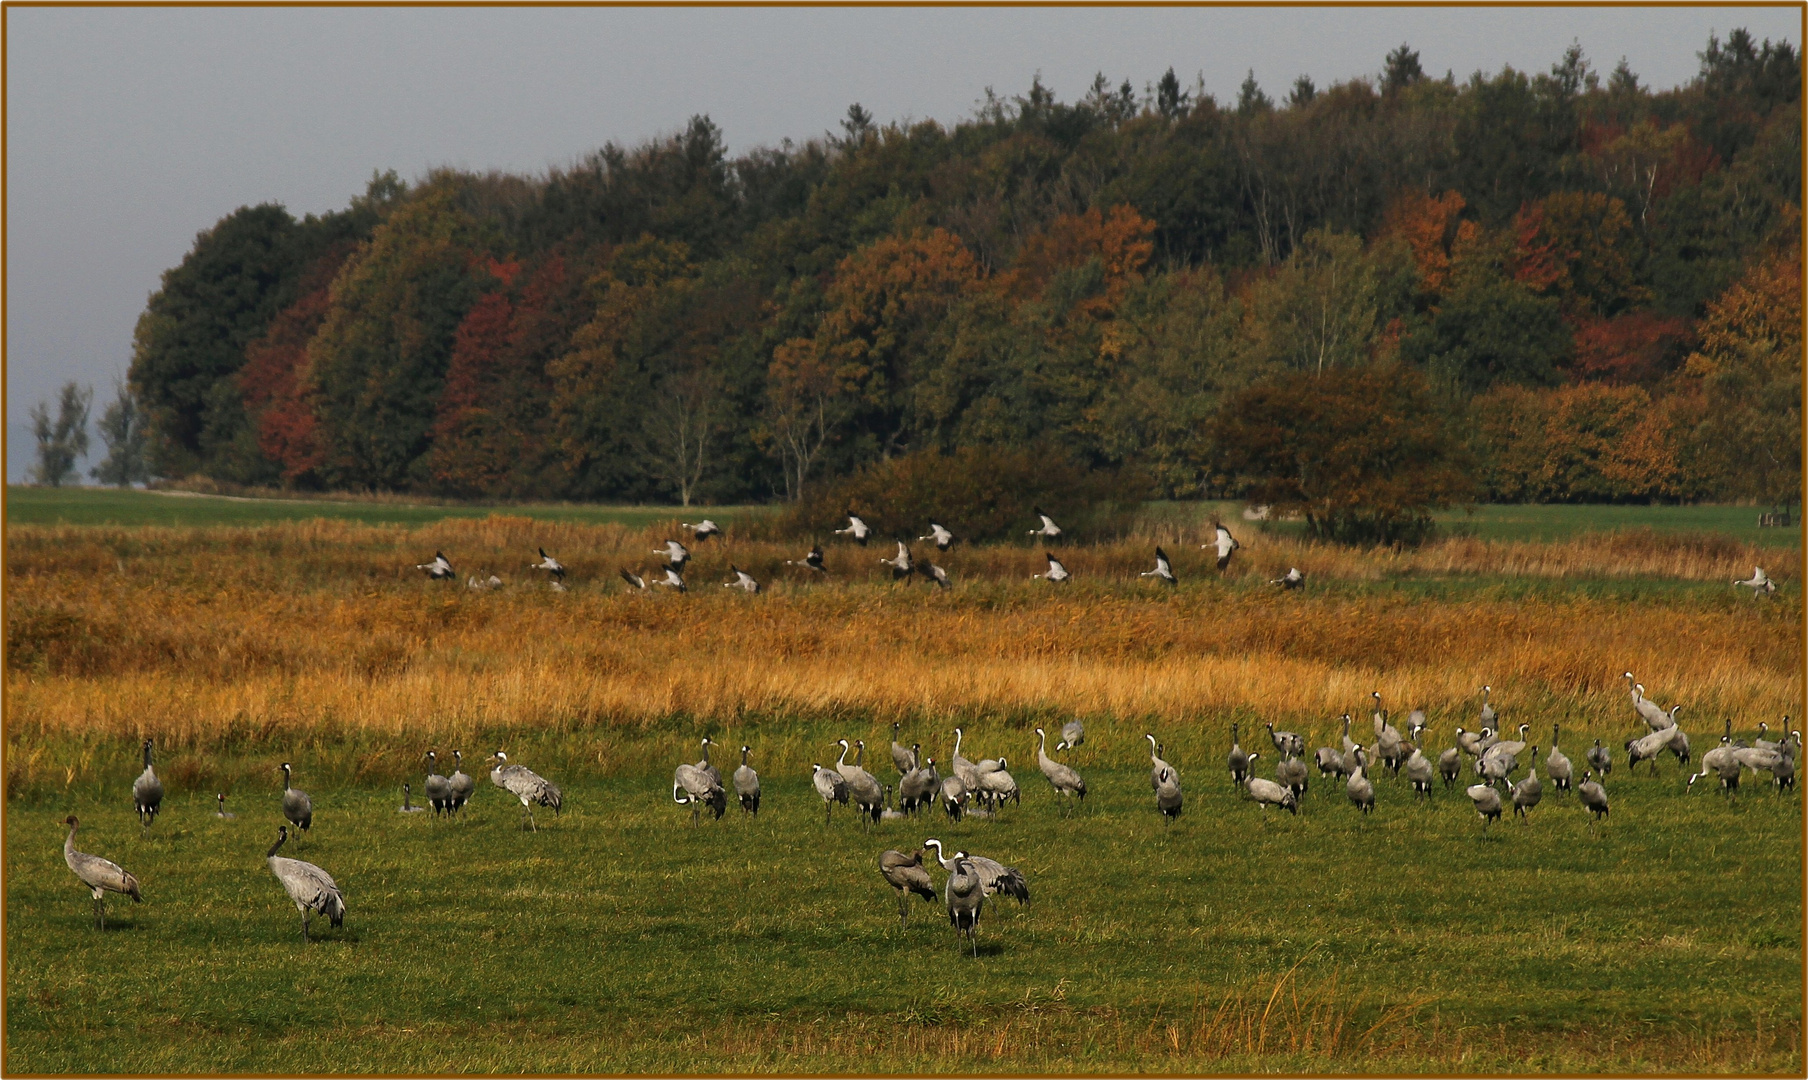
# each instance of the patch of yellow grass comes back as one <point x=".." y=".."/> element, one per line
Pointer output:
<point x="325" y="627"/>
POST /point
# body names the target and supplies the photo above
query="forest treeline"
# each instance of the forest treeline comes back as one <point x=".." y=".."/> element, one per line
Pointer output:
<point x="1599" y="284"/>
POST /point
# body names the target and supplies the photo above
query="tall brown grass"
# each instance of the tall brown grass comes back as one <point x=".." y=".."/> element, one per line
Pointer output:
<point x="317" y="628"/>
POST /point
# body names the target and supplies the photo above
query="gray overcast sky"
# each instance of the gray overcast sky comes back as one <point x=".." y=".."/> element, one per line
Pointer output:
<point x="129" y="130"/>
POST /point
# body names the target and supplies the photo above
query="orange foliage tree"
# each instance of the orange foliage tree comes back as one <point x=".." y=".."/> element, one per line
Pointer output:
<point x="1432" y="227"/>
<point x="1585" y="443"/>
<point x="1577" y="246"/>
<point x="1746" y="378"/>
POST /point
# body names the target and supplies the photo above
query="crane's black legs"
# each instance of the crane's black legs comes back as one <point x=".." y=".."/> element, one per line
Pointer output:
<point x="100" y="914"/>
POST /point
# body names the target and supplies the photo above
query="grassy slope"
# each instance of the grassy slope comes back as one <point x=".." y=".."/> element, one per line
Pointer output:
<point x="617" y="938"/>
<point x="94" y="506"/>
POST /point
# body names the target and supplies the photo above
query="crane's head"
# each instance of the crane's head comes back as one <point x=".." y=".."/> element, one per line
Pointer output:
<point x="70" y="821"/>
<point x="431" y="756"/>
<point x="933" y="842"/>
<point x="499" y="757"/>
<point x="746" y="749"/>
<point x="283" y="768"/>
<point x="843" y="743"/>
<point x="458" y="756"/>
<point x="707" y="742"/>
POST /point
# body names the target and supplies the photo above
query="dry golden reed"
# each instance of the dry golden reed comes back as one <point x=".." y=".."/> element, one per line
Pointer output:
<point x="194" y="635"/>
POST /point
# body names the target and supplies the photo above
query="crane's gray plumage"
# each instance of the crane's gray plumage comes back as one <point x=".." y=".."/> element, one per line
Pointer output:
<point x="311" y="888"/>
<point x="703" y="530"/>
<point x="1593" y="796"/>
<point x="902" y="566"/>
<point x="439" y="569"/>
<point x="1224" y="543"/>
<point x="936" y="575"/>
<point x="954" y="796"/>
<point x="1156" y="764"/>
<point x="863" y="788"/>
<point x="1600" y="759"/>
<point x="1056" y="572"/>
<point x="1648" y="748"/>
<point x="1049" y="530"/>
<point x="1487" y="802"/>
<point x="1168" y="796"/>
<point x="1557" y="764"/>
<point x="994" y="876"/>
<point x="147" y="790"/>
<point x="812" y="561"/>
<point x="1237" y="760"/>
<point x="918" y="787"/>
<point x="1419" y="772"/>
<point x="998" y="785"/>
<point x="1290" y="772"/>
<point x="1063" y="779"/>
<point x="296" y="806"/>
<point x="1266" y="793"/>
<point x="693" y="787"/>
<point x="460" y="784"/>
<point x="906" y="874"/>
<point x="857" y="529"/>
<point x="903" y="758"/>
<point x="1450" y="763"/>
<point x="1287" y="743"/>
<point x="703" y="763"/>
<point x="965" y="898"/>
<point x="408" y="806"/>
<point x="437" y="788"/>
<point x="222" y="813"/>
<point x="1073" y="733"/>
<point x="1292" y="579"/>
<point x="550" y="565"/>
<point x="1358" y="788"/>
<point x="674" y="553"/>
<point x="963" y="768"/>
<point x="1164" y="571"/>
<point x="743" y="580"/>
<point x="828" y="784"/>
<point x="1527" y="792"/>
<point x="1759" y="583"/>
<point x="747" y="785"/>
<point x="942" y="537"/>
<point x="101" y="876"/>
<point x="524" y="784"/>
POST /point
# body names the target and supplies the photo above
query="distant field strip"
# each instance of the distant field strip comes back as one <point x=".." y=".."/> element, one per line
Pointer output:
<point x="325" y="626"/>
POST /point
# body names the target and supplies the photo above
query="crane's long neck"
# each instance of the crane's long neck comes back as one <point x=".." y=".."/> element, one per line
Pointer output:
<point x="147" y="755"/>
<point x="69" y="841"/>
<point x="285" y="778"/>
<point x="957" y="739"/>
<point x="842" y="760"/>
<point x="743" y="755"/>
<point x="280" y="837"/>
<point x="706" y="751"/>
<point x="1041" y="744"/>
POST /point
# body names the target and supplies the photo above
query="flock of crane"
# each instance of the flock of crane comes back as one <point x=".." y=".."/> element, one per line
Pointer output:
<point x="982" y="788"/>
<point x="904" y="565"/>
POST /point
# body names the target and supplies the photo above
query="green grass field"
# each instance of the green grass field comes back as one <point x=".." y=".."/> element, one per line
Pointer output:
<point x="27" y="505"/>
<point x="618" y="937"/>
<point x="109" y="506"/>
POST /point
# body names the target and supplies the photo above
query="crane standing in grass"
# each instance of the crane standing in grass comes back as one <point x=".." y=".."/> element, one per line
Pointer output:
<point x="1063" y="779"/>
<point x="296" y="806"/>
<point x="147" y="791"/>
<point x="99" y="875"/>
<point x="311" y="888"/>
<point x="526" y="785"/>
<point x="906" y="874"/>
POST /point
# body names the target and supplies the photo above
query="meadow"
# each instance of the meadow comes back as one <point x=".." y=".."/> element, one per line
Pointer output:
<point x="620" y="938"/>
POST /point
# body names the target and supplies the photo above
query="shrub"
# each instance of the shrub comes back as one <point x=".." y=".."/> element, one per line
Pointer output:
<point x="979" y="493"/>
<point x="1364" y="454"/>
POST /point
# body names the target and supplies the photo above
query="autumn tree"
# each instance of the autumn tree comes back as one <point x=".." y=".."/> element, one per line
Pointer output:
<point x="1747" y="374"/>
<point x="1363" y="454"/>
